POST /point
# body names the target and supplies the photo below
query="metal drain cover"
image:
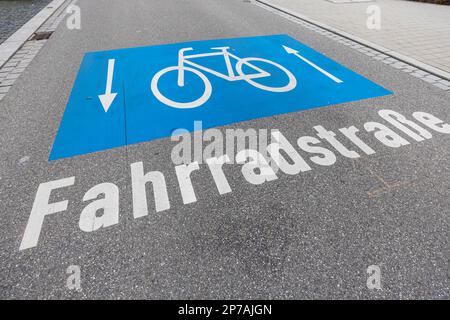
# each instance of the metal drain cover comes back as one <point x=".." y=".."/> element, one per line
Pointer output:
<point x="42" y="35"/>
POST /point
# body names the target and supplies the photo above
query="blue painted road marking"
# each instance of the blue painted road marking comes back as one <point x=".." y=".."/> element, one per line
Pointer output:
<point x="134" y="95"/>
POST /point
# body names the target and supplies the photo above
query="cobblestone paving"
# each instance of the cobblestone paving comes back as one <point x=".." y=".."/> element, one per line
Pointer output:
<point x="15" y="13"/>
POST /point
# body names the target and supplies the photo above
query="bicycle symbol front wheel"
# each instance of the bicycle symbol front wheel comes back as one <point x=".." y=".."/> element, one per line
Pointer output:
<point x="181" y="105"/>
<point x="292" y="83"/>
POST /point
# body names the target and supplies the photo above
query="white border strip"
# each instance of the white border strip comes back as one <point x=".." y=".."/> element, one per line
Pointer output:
<point x="15" y="41"/>
<point x="426" y="67"/>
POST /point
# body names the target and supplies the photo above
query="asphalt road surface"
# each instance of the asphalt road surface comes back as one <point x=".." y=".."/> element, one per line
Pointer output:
<point x="310" y="235"/>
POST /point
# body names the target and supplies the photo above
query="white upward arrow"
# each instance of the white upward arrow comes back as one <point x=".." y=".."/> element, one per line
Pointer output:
<point x="108" y="98"/>
<point x="329" y="75"/>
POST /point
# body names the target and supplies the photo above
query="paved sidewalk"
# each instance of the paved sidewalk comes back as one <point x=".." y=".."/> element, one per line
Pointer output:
<point x="14" y="14"/>
<point x="418" y="30"/>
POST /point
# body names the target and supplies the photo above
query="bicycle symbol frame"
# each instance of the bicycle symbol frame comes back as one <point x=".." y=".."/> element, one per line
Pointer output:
<point x="184" y="60"/>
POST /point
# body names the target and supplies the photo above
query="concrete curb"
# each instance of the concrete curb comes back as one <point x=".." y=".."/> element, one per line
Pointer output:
<point x="421" y="65"/>
<point x="15" y="41"/>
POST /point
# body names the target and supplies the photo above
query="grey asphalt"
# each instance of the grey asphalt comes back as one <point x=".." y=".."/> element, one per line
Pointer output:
<point x="311" y="235"/>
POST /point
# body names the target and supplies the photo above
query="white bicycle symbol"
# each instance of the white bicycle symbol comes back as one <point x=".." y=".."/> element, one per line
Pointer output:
<point x="181" y="68"/>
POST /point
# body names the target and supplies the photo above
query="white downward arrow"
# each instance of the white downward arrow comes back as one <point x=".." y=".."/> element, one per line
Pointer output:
<point x="108" y="98"/>
<point x="329" y="75"/>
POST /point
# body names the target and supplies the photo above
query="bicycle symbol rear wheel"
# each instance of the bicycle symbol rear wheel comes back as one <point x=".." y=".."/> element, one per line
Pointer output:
<point x="181" y="105"/>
